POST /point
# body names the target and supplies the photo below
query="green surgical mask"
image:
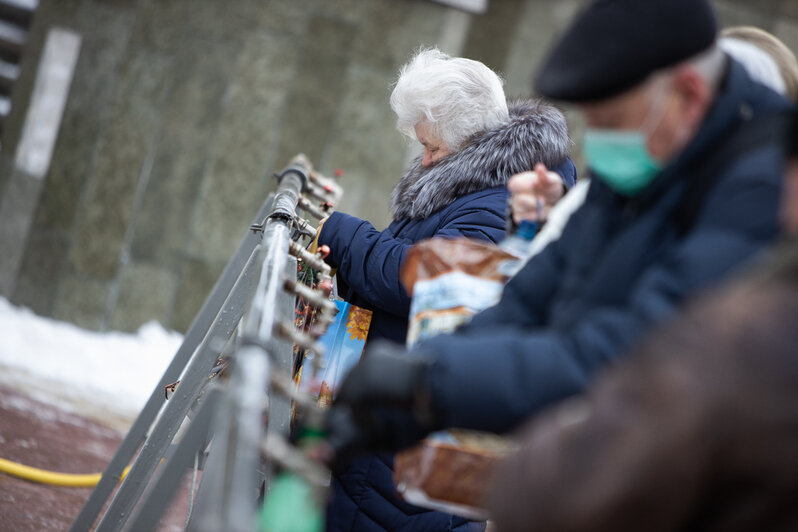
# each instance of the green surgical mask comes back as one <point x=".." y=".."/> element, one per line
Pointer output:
<point x="620" y="159"/>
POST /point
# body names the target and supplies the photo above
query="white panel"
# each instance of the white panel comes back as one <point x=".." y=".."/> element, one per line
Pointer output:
<point x="30" y="5"/>
<point x="472" y="6"/>
<point x="46" y="107"/>
<point x="454" y="32"/>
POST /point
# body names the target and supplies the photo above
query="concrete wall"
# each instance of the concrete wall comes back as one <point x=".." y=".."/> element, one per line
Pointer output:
<point x="181" y="109"/>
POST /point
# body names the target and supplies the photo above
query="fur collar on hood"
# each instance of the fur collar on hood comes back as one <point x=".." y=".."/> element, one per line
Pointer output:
<point x="536" y="132"/>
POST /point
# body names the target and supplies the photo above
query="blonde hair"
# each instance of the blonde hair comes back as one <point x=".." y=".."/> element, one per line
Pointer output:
<point x="778" y="51"/>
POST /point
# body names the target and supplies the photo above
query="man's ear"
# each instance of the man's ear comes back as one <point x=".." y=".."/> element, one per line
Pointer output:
<point x="693" y="95"/>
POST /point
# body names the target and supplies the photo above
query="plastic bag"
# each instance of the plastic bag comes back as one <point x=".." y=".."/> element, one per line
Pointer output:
<point x="344" y="343"/>
<point x="450" y="473"/>
<point x="450" y="281"/>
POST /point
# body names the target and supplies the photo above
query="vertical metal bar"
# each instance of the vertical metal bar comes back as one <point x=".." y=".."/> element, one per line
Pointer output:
<point x="213" y="309"/>
<point x="279" y="420"/>
<point x="47" y="103"/>
<point x="160" y="496"/>
<point x="283" y="355"/>
<point x="208" y="516"/>
<point x="35" y="149"/>
<point x="191" y="383"/>
<point x="239" y="440"/>
<point x="228" y="491"/>
<point x="228" y="501"/>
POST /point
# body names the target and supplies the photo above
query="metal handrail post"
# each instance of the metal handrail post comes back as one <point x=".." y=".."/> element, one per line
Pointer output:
<point x="162" y="493"/>
<point x="227" y="500"/>
<point x="212" y="309"/>
<point x="165" y="427"/>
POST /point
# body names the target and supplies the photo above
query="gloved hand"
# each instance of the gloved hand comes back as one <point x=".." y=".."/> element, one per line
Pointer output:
<point x="382" y="405"/>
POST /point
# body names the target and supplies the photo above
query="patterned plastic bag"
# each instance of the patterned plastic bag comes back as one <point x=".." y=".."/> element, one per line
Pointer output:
<point x="450" y="280"/>
<point x="344" y="343"/>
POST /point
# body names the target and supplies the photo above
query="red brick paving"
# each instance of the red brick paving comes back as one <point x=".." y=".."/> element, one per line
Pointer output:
<point x="43" y="436"/>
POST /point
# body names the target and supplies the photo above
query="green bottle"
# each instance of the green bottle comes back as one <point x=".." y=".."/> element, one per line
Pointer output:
<point x="291" y="505"/>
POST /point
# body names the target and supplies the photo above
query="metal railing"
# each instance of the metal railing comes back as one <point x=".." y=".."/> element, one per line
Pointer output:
<point x="254" y="297"/>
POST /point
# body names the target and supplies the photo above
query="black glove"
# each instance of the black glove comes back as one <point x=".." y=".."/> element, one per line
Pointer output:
<point x="382" y="405"/>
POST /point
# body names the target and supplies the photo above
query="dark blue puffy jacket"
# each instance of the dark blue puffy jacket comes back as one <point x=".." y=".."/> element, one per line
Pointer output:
<point x="620" y="267"/>
<point x="364" y="497"/>
<point x="368" y="263"/>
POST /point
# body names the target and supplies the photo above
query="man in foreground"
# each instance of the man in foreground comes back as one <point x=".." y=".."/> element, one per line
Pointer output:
<point x="686" y="179"/>
<point x="697" y="432"/>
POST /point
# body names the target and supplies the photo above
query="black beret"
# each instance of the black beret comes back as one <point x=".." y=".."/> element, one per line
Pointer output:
<point x="613" y="45"/>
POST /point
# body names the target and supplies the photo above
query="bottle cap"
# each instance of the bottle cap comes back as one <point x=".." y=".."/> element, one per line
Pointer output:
<point x="527" y="229"/>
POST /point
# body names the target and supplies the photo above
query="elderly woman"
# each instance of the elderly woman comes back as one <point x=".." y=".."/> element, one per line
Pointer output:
<point x="473" y="142"/>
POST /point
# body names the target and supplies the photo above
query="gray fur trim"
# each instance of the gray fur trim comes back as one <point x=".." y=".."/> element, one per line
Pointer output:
<point x="536" y="132"/>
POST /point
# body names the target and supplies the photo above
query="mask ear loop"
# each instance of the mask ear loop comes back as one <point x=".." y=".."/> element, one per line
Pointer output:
<point x="657" y="112"/>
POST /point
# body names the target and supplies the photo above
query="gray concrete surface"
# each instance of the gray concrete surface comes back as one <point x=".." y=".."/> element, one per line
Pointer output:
<point x="180" y="110"/>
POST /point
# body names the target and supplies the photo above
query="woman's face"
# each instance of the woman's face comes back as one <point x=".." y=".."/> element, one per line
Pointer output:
<point x="434" y="148"/>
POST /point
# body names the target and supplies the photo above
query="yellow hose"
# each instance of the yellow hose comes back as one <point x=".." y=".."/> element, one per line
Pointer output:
<point x="49" y="477"/>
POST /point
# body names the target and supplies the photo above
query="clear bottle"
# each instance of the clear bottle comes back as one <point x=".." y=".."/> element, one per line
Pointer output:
<point x="517" y="244"/>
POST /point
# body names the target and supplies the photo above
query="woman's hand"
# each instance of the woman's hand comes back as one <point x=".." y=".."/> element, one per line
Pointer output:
<point x="534" y="193"/>
<point x="314" y="245"/>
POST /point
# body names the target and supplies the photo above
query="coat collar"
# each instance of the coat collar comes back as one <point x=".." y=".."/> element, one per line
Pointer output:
<point x="536" y="132"/>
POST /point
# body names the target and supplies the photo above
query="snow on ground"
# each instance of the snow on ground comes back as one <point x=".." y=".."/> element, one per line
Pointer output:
<point x="106" y="376"/>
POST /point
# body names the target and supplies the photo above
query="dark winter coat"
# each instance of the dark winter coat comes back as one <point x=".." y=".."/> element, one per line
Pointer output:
<point x="620" y="267"/>
<point x="463" y="194"/>
<point x="698" y="432"/>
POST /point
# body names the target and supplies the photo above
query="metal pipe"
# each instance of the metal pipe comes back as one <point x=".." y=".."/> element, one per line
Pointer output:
<point x="194" y="378"/>
<point x="218" y="303"/>
<point x="315" y="298"/>
<point x="311" y="209"/>
<point x="329" y="185"/>
<point x="314" y="261"/>
<point x="238" y="432"/>
<point x="283" y="384"/>
<point x="302" y="340"/>
<point x="304" y="227"/>
<point x="233" y="474"/>
<point x="278" y="449"/>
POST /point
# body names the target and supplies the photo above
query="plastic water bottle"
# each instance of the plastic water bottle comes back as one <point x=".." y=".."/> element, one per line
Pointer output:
<point x="517" y="244"/>
<point x="291" y="505"/>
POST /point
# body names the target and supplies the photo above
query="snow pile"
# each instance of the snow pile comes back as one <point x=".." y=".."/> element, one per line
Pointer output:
<point x="104" y="375"/>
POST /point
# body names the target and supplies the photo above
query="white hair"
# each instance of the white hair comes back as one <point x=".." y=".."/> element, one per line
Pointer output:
<point x="454" y="96"/>
<point x="758" y="63"/>
<point x="710" y="65"/>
